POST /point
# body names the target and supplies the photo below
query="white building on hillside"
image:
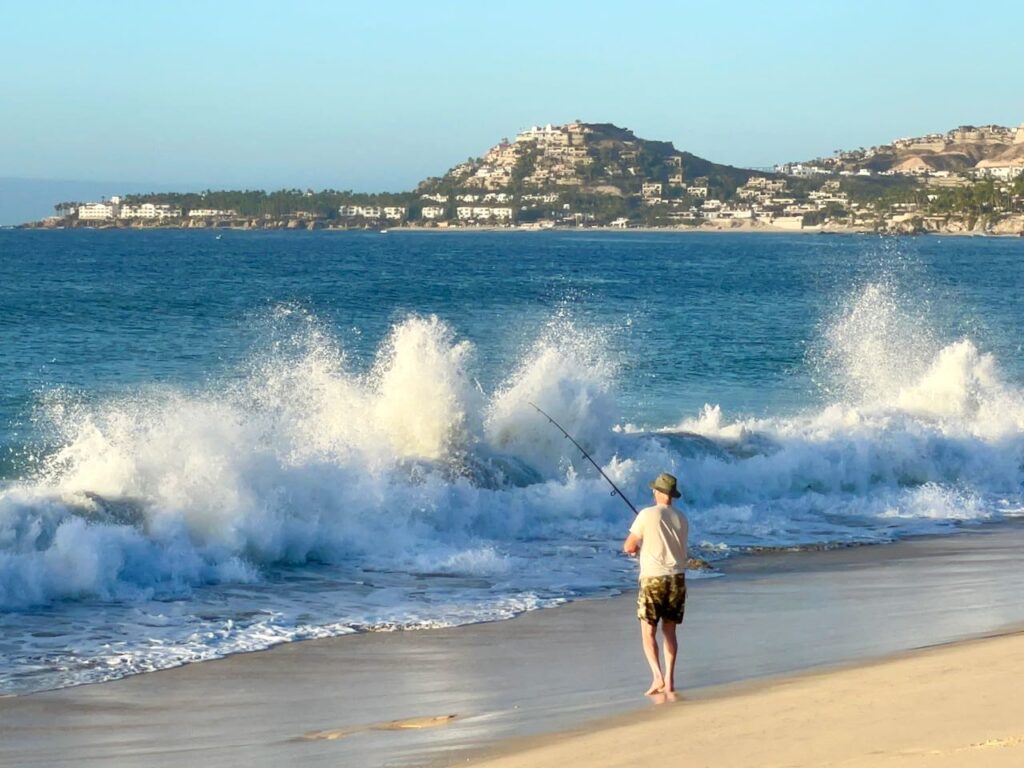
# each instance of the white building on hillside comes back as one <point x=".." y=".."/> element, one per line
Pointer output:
<point x="361" y="211"/>
<point x="651" y="190"/>
<point x="1000" y="172"/>
<point x="149" y="211"/>
<point x="433" y="212"/>
<point x="211" y="213"/>
<point x="549" y="135"/>
<point x="97" y="211"/>
<point x="482" y="213"/>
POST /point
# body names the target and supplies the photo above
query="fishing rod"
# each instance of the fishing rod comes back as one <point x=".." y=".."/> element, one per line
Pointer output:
<point x="615" y="488"/>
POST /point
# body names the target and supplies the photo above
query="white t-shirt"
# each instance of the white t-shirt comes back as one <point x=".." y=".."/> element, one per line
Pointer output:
<point x="663" y="532"/>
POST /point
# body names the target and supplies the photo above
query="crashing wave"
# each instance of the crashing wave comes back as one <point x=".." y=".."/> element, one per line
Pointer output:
<point x="303" y="460"/>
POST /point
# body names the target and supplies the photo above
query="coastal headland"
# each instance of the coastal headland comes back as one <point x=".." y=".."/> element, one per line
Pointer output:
<point x="767" y="679"/>
<point x="969" y="180"/>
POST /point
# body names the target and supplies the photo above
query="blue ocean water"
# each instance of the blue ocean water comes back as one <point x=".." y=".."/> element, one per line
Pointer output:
<point x="214" y="444"/>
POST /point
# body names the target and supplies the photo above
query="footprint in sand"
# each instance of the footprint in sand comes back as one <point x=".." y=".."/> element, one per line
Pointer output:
<point x="1010" y="741"/>
<point x="411" y="723"/>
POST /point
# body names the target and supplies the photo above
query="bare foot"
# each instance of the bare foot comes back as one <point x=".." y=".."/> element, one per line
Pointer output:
<point x="656" y="687"/>
<point x="662" y="697"/>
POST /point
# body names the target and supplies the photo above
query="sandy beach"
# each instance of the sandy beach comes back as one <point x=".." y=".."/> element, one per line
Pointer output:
<point x="958" y="705"/>
<point x="336" y="702"/>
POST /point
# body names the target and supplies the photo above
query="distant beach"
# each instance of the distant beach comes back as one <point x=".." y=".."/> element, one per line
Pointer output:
<point x="735" y="227"/>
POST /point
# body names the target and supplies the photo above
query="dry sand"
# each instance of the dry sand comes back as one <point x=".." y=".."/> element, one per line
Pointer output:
<point x="958" y="705"/>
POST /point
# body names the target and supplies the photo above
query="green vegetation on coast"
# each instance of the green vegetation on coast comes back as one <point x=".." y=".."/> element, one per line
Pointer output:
<point x="598" y="174"/>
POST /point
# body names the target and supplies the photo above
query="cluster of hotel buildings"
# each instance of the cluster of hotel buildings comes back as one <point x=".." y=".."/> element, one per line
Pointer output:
<point x="490" y="207"/>
<point x="114" y="208"/>
<point x="914" y="167"/>
<point x="373" y="212"/>
<point x="762" y="199"/>
<point x="769" y="201"/>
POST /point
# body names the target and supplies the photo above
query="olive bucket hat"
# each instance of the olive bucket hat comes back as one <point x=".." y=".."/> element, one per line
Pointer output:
<point x="666" y="483"/>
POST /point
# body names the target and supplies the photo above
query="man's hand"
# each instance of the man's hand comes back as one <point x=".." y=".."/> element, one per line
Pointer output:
<point x="631" y="545"/>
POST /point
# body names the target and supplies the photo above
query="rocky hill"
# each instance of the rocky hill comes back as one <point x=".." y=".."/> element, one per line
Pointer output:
<point x="583" y="167"/>
<point x="963" y="149"/>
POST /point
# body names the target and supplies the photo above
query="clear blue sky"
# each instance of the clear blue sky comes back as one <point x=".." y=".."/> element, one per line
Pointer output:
<point x="375" y="96"/>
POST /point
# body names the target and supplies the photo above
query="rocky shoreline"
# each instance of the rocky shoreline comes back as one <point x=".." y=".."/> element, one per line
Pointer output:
<point x="1011" y="226"/>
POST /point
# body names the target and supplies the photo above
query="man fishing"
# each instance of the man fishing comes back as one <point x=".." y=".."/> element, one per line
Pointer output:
<point x="659" y="534"/>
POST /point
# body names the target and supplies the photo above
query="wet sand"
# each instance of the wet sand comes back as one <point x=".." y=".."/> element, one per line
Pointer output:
<point x="334" y="702"/>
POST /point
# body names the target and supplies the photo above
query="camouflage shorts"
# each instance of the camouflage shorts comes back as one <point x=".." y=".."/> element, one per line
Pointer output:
<point x="662" y="597"/>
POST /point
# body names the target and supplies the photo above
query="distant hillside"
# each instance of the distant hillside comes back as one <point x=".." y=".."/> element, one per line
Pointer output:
<point x="593" y="169"/>
<point x="600" y="158"/>
<point x="963" y="149"/>
<point x="574" y="174"/>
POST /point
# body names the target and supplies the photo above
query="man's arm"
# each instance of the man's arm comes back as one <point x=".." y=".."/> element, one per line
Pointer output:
<point x="636" y="535"/>
<point x="632" y="544"/>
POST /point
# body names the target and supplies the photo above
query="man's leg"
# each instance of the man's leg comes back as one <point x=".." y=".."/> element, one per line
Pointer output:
<point x="668" y="629"/>
<point x="649" y="634"/>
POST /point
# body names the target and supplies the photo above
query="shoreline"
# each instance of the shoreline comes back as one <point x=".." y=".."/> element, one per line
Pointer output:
<point x="513" y="229"/>
<point x="808" y="608"/>
<point x="740" y="229"/>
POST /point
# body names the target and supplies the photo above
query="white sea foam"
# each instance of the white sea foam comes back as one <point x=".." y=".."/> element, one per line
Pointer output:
<point x="302" y="461"/>
<point x="923" y="433"/>
<point x="565" y="373"/>
<point x="433" y="503"/>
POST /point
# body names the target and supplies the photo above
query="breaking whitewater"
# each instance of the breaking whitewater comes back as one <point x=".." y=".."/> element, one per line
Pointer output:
<point x="299" y="498"/>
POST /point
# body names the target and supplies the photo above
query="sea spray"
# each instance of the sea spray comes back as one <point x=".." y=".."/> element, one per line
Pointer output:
<point x="425" y="399"/>
<point x="303" y="460"/>
<point x="918" y="431"/>
<point x="875" y="346"/>
<point x="566" y="372"/>
<point x="304" y="497"/>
